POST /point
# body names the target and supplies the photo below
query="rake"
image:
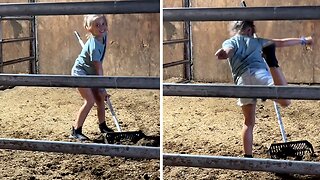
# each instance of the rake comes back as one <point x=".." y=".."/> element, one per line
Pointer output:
<point x="295" y="149"/>
<point x="121" y="137"/>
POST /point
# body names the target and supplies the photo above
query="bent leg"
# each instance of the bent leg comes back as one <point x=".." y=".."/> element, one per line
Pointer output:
<point x="84" y="110"/>
<point x="247" y="129"/>
<point x="99" y="98"/>
<point x="279" y="79"/>
<point x="269" y="53"/>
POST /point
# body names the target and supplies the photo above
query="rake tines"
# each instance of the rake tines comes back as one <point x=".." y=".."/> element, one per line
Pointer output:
<point x="117" y="137"/>
<point x="295" y="149"/>
<point x="130" y="138"/>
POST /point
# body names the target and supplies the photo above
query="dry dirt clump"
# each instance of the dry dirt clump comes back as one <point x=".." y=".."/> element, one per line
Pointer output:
<point x="48" y="114"/>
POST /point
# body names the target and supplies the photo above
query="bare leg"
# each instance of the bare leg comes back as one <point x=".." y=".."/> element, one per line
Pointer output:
<point x="276" y="72"/>
<point x="247" y="130"/>
<point x="84" y="110"/>
<point x="279" y="79"/>
<point x="99" y="99"/>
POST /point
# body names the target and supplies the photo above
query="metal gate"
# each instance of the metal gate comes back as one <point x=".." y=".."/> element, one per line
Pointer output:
<point x="32" y="39"/>
<point x="187" y="49"/>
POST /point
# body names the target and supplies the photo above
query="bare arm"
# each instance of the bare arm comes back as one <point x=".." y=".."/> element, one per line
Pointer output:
<point x="224" y="53"/>
<point x="98" y="67"/>
<point x="99" y="71"/>
<point x="292" y="41"/>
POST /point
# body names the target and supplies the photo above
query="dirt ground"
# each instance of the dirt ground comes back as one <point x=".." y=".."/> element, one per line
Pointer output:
<point x="48" y="114"/>
<point x="212" y="126"/>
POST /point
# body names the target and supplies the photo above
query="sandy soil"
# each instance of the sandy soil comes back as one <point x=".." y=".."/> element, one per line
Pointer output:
<point x="212" y="126"/>
<point x="48" y="114"/>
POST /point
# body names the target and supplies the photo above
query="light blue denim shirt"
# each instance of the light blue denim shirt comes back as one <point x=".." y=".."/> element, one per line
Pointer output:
<point x="93" y="50"/>
<point x="247" y="54"/>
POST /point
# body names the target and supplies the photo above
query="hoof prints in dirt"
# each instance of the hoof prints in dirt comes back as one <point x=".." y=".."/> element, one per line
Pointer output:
<point x="129" y="138"/>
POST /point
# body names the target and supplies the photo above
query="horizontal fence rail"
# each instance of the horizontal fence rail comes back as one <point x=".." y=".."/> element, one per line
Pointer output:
<point x="238" y="13"/>
<point x="16" y="39"/>
<point x="175" y="63"/>
<point x="174" y="41"/>
<point x="234" y="91"/>
<point x="77" y="8"/>
<point x="14" y="61"/>
<point x="81" y="148"/>
<point x="18" y="18"/>
<point x="237" y="163"/>
<point x="121" y="82"/>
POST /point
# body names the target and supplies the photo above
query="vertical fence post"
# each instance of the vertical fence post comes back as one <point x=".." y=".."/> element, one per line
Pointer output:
<point x="33" y="67"/>
<point x="188" y="46"/>
<point x="1" y="57"/>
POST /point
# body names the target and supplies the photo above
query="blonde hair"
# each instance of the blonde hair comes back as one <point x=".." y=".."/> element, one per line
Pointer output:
<point x="89" y="19"/>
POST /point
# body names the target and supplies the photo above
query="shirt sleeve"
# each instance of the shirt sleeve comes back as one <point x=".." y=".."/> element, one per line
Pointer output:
<point x="95" y="55"/>
<point x="228" y="44"/>
<point x="264" y="42"/>
<point x="95" y="52"/>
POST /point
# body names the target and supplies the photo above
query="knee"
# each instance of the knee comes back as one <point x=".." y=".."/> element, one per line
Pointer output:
<point x="249" y="115"/>
<point x="284" y="103"/>
<point x="248" y="125"/>
<point x="249" y="122"/>
<point x="100" y="99"/>
<point x="89" y="103"/>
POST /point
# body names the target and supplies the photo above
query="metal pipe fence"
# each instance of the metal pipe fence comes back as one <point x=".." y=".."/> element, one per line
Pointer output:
<point x="122" y="82"/>
<point x="237" y="163"/>
<point x="248" y="91"/>
<point x="78" y="8"/>
<point x="238" y="13"/>
<point x="81" y="148"/>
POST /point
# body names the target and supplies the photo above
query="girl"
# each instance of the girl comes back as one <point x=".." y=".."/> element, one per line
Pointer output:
<point x="248" y="67"/>
<point x="89" y="62"/>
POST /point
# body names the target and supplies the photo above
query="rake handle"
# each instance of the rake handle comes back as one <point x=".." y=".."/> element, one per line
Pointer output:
<point x="79" y="39"/>
<point x="243" y="4"/>
<point x="113" y="114"/>
<point x="283" y="133"/>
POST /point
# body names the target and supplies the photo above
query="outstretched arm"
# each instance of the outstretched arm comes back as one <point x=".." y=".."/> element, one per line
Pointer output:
<point x="224" y="53"/>
<point x="292" y="41"/>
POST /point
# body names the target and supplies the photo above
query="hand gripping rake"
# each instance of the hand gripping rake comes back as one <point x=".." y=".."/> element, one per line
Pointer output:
<point x="296" y="149"/>
<point x="121" y="137"/>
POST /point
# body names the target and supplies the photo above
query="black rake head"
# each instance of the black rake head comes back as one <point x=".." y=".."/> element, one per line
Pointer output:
<point x="129" y="138"/>
<point x="117" y="137"/>
<point x="294" y="149"/>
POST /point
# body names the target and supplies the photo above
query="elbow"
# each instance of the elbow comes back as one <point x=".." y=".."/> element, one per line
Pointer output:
<point x="279" y="43"/>
<point x="222" y="57"/>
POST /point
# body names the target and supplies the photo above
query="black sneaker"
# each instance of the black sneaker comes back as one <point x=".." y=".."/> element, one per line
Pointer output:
<point x="247" y="156"/>
<point x="104" y="128"/>
<point x="77" y="134"/>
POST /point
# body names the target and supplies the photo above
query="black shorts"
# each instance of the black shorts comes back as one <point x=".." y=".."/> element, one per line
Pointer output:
<point x="269" y="53"/>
